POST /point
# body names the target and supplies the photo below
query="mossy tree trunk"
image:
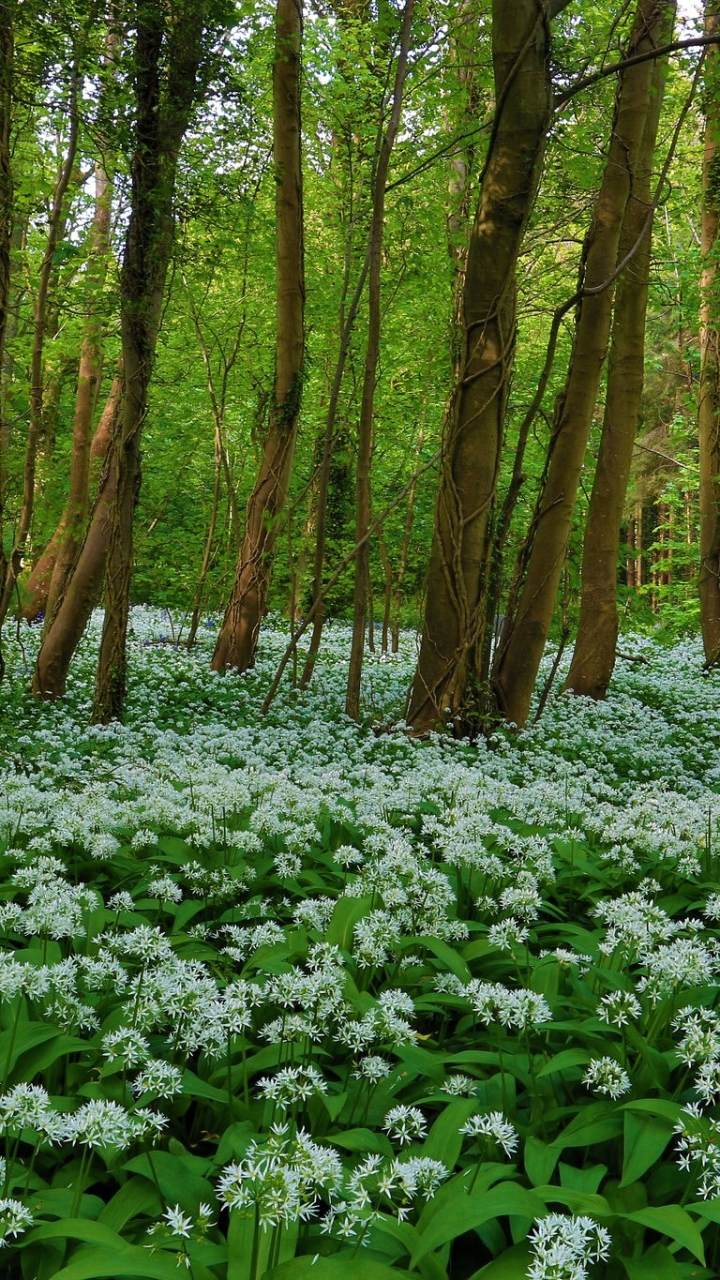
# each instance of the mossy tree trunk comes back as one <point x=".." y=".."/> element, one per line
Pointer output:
<point x="237" y="641"/>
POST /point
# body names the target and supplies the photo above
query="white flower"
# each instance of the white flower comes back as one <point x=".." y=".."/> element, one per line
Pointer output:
<point x="605" y="1075"/>
<point x="14" y="1219"/>
<point x="403" y="1124"/>
<point x="494" y="1125"/>
<point x="179" y="1223"/>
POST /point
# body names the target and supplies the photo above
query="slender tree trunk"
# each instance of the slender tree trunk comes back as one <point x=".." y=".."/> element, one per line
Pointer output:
<point x="363" y="502"/>
<point x="594" y="655"/>
<point x="47" y="584"/>
<point x="709" y="399"/>
<point x="168" y="59"/>
<point x="405" y="543"/>
<point x="534" y="591"/>
<point x="238" y="637"/>
<point x="14" y="566"/>
<point x="6" y="225"/>
<point x="47" y="580"/>
<point x="460" y="555"/>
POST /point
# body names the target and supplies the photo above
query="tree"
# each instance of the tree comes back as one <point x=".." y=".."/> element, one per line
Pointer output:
<point x="449" y="663"/>
<point x="709" y="397"/>
<point x="172" y="62"/>
<point x="237" y="640"/>
<point x="542" y="555"/>
<point x="594" y="654"/>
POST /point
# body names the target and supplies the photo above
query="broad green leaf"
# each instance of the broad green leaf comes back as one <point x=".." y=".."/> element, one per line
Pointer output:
<point x="585" y="1180"/>
<point x="540" y="1160"/>
<point x="576" y="1201"/>
<point x="135" y="1198"/>
<point x="342" y="1266"/>
<point x="345" y="916"/>
<point x="76" y="1229"/>
<point x="598" y="1122"/>
<point x="444" y="1140"/>
<point x="363" y="1140"/>
<point x="657" y="1264"/>
<point x="178" y="1184"/>
<point x="132" y="1261"/>
<point x="673" y="1221"/>
<point x="465" y="1213"/>
<point x="645" y="1137"/>
<point x="564" y="1061"/>
<point x="510" y="1265"/>
<point x="448" y="956"/>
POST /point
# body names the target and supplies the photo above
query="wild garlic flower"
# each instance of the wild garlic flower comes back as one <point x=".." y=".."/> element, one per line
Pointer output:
<point x="178" y="1222"/>
<point x="699" y="1145"/>
<point x="564" y="1245"/>
<point x="619" y="1008"/>
<point x="605" y="1075"/>
<point x="404" y="1124"/>
<point x="126" y="1045"/>
<point x="494" y="1125"/>
<point x="506" y="934"/>
<point x="158" y="1077"/>
<point x="459" y="1085"/>
<point x="164" y="888"/>
<point x="700" y="1034"/>
<point x="14" y="1219"/>
<point x="103" y="1123"/>
<point x="282" y="1178"/>
<point x="373" y="1068"/>
<point x="121" y="901"/>
<point x="686" y="962"/>
<point x="292" y="1085"/>
<point x="511" y="1007"/>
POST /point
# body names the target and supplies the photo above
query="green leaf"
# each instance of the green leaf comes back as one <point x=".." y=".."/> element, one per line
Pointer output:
<point x="511" y="1265"/>
<point x="135" y="1198"/>
<point x="673" y="1221"/>
<point x="345" y="916"/>
<point x="449" y="957"/>
<point x="540" y="1160"/>
<point x="95" y="1263"/>
<point x="444" y="1140"/>
<point x="598" y="1122"/>
<point x="576" y="1201"/>
<point x="466" y="1213"/>
<point x="645" y="1137"/>
<point x="563" y="1061"/>
<point x="363" y="1140"/>
<point x="340" y="1266"/>
<point x="657" y="1264"/>
<point x="178" y="1183"/>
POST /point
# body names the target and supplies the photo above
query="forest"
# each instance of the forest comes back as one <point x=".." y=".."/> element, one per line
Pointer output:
<point x="359" y="639"/>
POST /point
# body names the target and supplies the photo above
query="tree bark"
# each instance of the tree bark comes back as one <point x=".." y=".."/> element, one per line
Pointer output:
<point x="14" y="566"/>
<point x="6" y="223"/>
<point x="363" y="502"/>
<point x="534" y="590"/>
<point x="46" y="583"/>
<point x="594" y="654"/>
<point x="709" y="398"/>
<point x="168" y="57"/>
<point x="444" y="686"/>
<point x="237" y="640"/>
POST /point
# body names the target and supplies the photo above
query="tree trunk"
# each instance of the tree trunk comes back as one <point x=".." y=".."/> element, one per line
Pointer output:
<point x="168" y="60"/>
<point x="6" y="223"/>
<point x="14" y="566"/>
<point x="594" y="655"/>
<point x="454" y="613"/>
<point x="534" y="591"/>
<point x="238" y="637"/>
<point x="47" y="581"/>
<point x="363" y="502"/>
<point x="709" y="398"/>
<point x="46" y="587"/>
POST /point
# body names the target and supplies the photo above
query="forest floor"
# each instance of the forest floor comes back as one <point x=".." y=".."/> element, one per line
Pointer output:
<point x="291" y="997"/>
